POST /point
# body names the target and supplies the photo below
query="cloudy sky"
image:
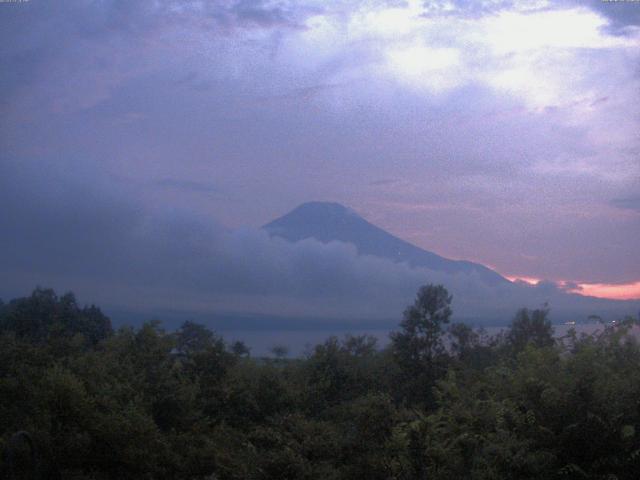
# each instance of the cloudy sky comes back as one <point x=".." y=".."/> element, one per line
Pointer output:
<point x="138" y="138"/>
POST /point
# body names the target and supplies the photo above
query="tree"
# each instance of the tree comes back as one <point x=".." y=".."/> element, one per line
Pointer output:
<point x="193" y="338"/>
<point x="240" y="349"/>
<point x="463" y="339"/>
<point x="420" y="340"/>
<point x="418" y="348"/>
<point x="280" y="351"/>
<point x="530" y="328"/>
<point x="360" y="345"/>
<point x="44" y="316"/>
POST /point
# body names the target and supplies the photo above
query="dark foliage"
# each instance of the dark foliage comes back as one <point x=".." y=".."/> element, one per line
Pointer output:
<point x="80" y="401"/>
<point x="45" y="317"/>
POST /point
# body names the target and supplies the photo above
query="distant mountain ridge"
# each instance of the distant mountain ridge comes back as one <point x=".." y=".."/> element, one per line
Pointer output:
<point x="327" y="221"/>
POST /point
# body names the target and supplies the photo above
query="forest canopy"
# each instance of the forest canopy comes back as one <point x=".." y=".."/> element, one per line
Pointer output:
<point x="81" y="400"/>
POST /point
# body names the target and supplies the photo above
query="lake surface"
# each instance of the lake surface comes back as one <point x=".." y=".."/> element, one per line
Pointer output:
<point x="299" y="342"/>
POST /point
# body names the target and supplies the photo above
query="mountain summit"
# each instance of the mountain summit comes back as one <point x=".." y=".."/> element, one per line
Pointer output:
<point x="326" y="221"/>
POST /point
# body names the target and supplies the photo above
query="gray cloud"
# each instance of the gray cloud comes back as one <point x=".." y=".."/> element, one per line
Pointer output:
<point x="188" y="185"/>
<point x="36" y="33"/>
<point x="116" y="111"/>
<point x="469" y="8"/>
<point x="628" y="203"/>
<point x="256" y="13"/>
<point x="621" y="14"/>
<point x="83" y="238"/>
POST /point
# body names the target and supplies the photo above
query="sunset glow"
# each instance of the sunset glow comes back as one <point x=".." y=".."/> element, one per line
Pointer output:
<point x="613" y="291"/>
<point x="529" y="280"/>
<point x="627" y="291"/>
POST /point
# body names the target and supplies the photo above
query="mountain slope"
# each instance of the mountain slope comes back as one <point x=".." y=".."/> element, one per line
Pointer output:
<point x="326" y="221"/>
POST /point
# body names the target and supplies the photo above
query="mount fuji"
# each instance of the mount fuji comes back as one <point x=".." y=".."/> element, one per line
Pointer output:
<point x="326" y="222"/>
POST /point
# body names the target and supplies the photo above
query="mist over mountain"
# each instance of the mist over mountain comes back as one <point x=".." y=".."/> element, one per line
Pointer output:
<point x="481" y="295"/>
<point x="328" y="221"/>
<point x="320" y="266"/>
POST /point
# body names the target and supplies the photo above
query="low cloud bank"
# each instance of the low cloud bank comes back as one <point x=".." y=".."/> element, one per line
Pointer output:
<point x="95" y="241"/>
<point x="111" y="251"/>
